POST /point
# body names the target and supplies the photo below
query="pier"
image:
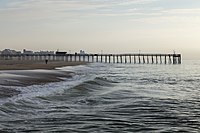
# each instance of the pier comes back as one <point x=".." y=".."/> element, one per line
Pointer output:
<point x="102" y="58"/>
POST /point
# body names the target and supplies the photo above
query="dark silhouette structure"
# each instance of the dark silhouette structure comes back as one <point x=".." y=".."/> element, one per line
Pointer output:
<point x="61" y="53"/>
<point x="103" y="58"/>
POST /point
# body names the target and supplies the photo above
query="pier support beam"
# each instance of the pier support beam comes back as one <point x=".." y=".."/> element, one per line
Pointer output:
<point x="152" y="60"/>
<point x="75" y="57"/>
<point x="143" y="60"/>
<point x="179" y="59"/>
<point x="125" y="59"/>
<point x="66" y="58"/>
<point x="160" y="59"/>
<point x="92" y="58"/>
<point x="83" y="57"/>
<point x="139" y="59"/>
<point x="170" y="61"/>
<point x="88" y="58"/>
<point x="97" y="60"/>
<point x="70" y="58"/>
<point x="156" y="59"/>
<point x="174" y="59"/>
<point x="134" y="59"/>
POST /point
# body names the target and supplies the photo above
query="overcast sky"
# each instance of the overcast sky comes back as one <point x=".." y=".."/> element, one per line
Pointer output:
<point x="111" y="26"/>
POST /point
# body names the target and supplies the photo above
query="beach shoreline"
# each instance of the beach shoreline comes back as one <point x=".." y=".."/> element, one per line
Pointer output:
<point x="26" y="73"/>
<point x="31" y="65"/>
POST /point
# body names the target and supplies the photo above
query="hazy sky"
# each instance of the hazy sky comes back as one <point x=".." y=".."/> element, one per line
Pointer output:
<point x="113" y="26"/>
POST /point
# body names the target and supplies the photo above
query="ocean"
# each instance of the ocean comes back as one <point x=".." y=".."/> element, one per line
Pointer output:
<point x="103" y="98"/>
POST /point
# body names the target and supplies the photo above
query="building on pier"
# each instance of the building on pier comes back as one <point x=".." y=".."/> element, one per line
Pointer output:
<point x="44" y="53"/>
<point x="61" y="53"/>
<point x="27" y="52"/>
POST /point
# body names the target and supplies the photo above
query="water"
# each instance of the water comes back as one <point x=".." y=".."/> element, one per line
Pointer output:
<point x="110" y="98"/>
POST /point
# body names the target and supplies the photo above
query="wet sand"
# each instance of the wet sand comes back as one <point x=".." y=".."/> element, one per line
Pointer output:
<point x="27" y="73"/>
<point x="32" y="77"/>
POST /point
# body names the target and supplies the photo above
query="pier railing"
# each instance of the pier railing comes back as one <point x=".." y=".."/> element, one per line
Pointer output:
<point x="103" y="58"/>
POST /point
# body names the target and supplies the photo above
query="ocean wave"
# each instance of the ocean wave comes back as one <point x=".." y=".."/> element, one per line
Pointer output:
<point x="86" y="88"/>
<point x="95" y="83"/>
<point x="89" y="87"/>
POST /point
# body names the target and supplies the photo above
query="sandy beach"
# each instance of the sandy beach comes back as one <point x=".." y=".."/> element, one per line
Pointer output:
<point x="31" y="65"/>
<point x="26" y="73"/>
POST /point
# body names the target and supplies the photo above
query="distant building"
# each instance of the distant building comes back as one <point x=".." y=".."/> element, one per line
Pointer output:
<point x="19" y="52"/>
<point x="45" y="53"/>
<point x="27" y="52"/>
<point x="10" y="52"/>
<point x="82" y="52"/>
<point x="61" y="53"/>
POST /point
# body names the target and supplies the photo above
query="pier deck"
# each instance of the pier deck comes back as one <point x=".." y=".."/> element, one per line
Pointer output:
<point x="103" y="58"/>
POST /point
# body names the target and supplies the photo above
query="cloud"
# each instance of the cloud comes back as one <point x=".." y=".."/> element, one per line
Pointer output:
<point x="67" y="10"/>
<point x="51" y="9"/>
<point x="183" y="11"/>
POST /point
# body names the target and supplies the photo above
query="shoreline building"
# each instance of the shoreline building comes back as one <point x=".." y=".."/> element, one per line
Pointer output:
<point x="27" y="52"/>
<point x="82" y="52"/>
<point x="7" y="54"/>
<point x="44" y="53"/>
<point x="10" y="52"/>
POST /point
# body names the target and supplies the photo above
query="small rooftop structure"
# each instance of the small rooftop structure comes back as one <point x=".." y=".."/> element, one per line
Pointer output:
<point x="82" y="52"/>
<point x="61" y="53"/>
<point x="27" y="52"/>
